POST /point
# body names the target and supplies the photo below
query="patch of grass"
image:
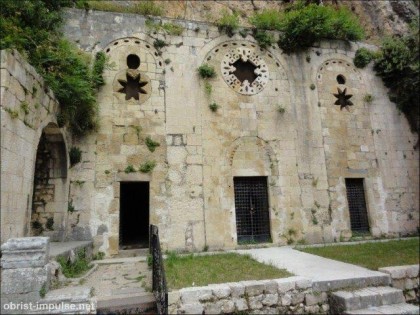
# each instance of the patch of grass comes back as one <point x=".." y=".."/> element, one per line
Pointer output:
<point x="13" y="114"/>
<point x="129" y="169"/>
<point x="203" y="270"/>
<point x="140" y="7"/>
<point x="77" y="268"/>
<point x="98" y="256"/>
<point x="208" y="88"/>
<point x="159" y="43"/>
<point x="372" y="255"/>
<point x="147" y="166"/>
<point x="151" y="145"/>
<point x="228" y="23"/>
<point x="24" y="106"/>
<point x="368" y="98"/>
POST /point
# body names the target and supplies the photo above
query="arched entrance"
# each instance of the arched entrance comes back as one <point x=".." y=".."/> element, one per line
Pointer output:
<point x="50" y="192"/>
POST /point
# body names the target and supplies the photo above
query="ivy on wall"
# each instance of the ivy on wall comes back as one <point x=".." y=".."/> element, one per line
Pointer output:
<point x="32" y="27"/>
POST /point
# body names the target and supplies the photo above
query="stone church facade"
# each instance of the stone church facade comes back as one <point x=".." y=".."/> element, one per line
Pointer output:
<point x="302" y="147"/>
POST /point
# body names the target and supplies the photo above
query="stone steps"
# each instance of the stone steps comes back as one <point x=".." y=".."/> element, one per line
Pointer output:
<point x="143" y="303"/>
<point x="371" y="300"/>
<point x="401" y="308"/>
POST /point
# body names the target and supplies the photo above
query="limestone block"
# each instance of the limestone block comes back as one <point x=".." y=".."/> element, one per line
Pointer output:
<point x="25" y="252"/>
<point x="298" y="298"/>
<point x="253" y="288"/>
<point x="412" y="271"/>
<point x="211" y="308"/>
<point x="24" y="280"/>
<point x="25" y="243"/>
<point x="237" y="289"/>
<point x="193" y="295"/>
<point x="221" y="291"/>
<point x="194" y="308"/>
<point x="285" y="284"/>
<point x="313" y="309"/>
<point x="228" y="307"/>
<point x="397" y="272"/>
<point x="270" y="299"/>
<point x="240" y="304"/>
<point x="271" y="287"/>
<point x="409" y="284"/>
<point x="312" y="299"/>
<point x="255" y="302"/>
<point x="286" y="299"/>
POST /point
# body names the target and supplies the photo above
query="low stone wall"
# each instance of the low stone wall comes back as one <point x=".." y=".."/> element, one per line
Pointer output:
<point x="405" y="278"/>
<point x="280" y="296"/>
<point x="25" y="281"/>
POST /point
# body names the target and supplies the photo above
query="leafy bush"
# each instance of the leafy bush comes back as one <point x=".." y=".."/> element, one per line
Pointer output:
<point x="206" y="71"/>
<point x="264" y="38"/>
<point x="75" y="269"/>
<point x="214" y="107"/>
<point x="32" y="27"/>
<point x="304" y="25"/>
<point x="98" y="69"/>
<point x="75" y="155"/>
<point x="228" y="23"/>
<point x="363" y="57"/>
<point x="147" y="167"/>
<point x="399" y="67"/>
<point x="268" y="19"/>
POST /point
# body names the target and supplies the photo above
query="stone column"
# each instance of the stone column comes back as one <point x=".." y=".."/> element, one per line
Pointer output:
<point x="25" y="271"/>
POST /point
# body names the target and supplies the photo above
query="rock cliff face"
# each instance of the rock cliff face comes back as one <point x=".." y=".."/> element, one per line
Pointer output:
<point x="379" y="17"/>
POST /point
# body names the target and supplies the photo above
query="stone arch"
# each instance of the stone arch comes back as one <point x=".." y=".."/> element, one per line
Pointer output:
<point x="253" y="154"/>
<point x="137" y="63"/>
<point x="50" y="188"/>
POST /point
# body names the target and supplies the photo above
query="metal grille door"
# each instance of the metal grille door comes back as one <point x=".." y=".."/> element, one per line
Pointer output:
<point x="357" y="205"/>
<point x="251" y="203"/>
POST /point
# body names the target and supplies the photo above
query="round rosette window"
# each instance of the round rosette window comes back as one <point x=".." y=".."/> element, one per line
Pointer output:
<point x="244" y="71"/>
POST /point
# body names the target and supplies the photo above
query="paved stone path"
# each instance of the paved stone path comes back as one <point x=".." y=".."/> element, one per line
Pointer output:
<point x="319" y="269"/>
<point x="120" y="278"/>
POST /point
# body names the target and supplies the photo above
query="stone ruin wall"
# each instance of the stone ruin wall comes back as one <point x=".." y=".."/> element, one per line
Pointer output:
<point x="28" y="117"/>
<point x="305" y="152"/>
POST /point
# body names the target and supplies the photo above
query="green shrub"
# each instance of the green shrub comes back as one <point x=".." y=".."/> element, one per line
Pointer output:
<point x="173" y="29"/>
<point x="214" y="107"/>
<point x="302" y="26"/>
<point x="228" y="23"/>
<point x="73" y="270"/>
<point x="268" y="19"/>
<point x="75" y="155"/>
<point x="32" y="27"/>
<point x="147" y="167"/>
<point x="159" y="44"/>
<point x="264" y="38"/>
<point x="98" y="69"/>
<point x="98" y="256"/>
<point x="129" y="169"/>
<point x="206" y="71"/>
<point x="151" y="145"/>
<point x="399" y="67"/>
<point x="363" y="57"/>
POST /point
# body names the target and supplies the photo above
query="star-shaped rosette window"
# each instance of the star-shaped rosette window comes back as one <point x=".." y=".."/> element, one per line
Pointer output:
<point x="343" y="99"/>
<point x="132" y="86"/>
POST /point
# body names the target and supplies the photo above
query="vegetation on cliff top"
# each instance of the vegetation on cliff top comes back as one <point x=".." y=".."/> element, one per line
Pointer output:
<point x="32" y="27"/>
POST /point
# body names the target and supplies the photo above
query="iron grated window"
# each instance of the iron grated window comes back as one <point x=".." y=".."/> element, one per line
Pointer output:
<point x="357" y="205"/>
<point x="251" y="203"/>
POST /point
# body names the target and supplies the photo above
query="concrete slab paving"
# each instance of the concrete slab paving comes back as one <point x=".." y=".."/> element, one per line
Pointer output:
<point x="318" y="269"/>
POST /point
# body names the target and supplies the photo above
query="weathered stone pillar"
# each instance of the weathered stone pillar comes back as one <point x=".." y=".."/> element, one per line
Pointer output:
<point x="25" y="271"/>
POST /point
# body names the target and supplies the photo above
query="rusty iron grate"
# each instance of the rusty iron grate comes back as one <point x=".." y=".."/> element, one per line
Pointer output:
<point x="251" y="203"/>
<point x="357" y="205"/>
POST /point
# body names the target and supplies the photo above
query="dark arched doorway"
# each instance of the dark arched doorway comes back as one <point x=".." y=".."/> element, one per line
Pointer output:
<point x="50" y="193"/>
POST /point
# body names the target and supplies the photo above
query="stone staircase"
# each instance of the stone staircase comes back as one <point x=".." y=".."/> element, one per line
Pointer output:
<point x="371" y="300"/>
